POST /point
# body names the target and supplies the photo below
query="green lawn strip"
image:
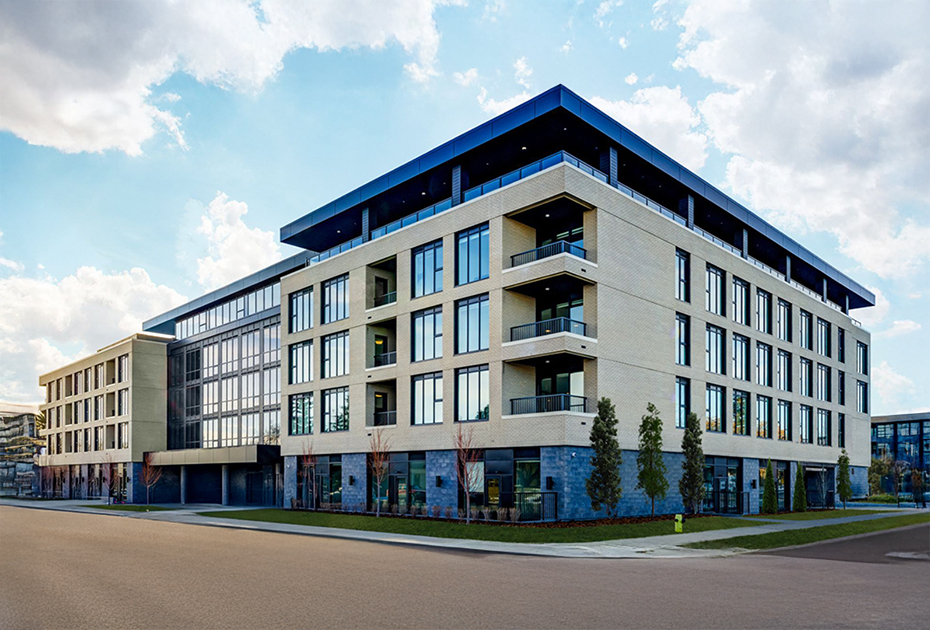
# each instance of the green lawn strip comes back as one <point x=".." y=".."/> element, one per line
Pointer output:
<point x="127" y="507"/>
<point x="477" y="531"/>
<point x="794" y="537"/>
<point x="817" y="515"/>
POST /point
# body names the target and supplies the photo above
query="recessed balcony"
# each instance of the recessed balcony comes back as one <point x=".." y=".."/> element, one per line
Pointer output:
<point x="548" y="327"/>
<point x="384" y="299"/>
<point x="550" y="403"/>
<point x="385" y="358"/>
<point x="547" y="251"/>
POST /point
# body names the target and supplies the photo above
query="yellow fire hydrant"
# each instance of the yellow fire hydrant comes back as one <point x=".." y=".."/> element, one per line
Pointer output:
<point x="679" y="521"/>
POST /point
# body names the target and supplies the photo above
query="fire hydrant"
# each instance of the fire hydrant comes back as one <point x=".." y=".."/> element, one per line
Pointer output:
<point x="679" y="522"/>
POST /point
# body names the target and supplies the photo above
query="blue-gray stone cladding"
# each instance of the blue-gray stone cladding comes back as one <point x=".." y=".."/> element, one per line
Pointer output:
<point x="441" y="464"/>
<point x="859" y="475"/>
<point x="290" y="480"/>
<point x="354" y="495"/>
<point x="750" y="474"/>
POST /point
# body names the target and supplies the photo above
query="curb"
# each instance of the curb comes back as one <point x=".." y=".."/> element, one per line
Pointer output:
<point x="842" y="538"/>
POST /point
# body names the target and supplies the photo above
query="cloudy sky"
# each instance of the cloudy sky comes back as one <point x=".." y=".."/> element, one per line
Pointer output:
<point x="149" y="151"/>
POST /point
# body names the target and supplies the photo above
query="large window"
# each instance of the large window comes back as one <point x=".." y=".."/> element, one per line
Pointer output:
<point x="740" y="301"/>
<point x="740" y="412"/>
<point x="862" y="397"/>
<point x="335" y="409"/>
<point x="301" y="363"/>
<point x="272" y="343"/>
<point x="229" y="394"/>
<point x="192" y="365"/>
<point x="763" y="364"/>
<point x="784" y="320"/>
<point x="683" y="275"/>
<point x="784" y="371"/>
<point x="682" y="401"/>
<point x="841" y="345"/>
<point x="716" y="350"/>
<point x="230" y="433"/>
<point x="211" y="360"/>
<point x="784" y="420"/>
<point x="472" y="393"/>
<point x="806" y="377"/>
<point x="472" y="324"/>
<point x="472" y="254"/>
<point x="427" y="334"/>
<point x="427" y="398"/>
<point x="716" y="419"/>
<point x="807" y="331"/>
<point x="716" y="294"/>
<point x="841" y="387"/>
<point x="300" y="416"/>
<point x="336" y="354"/>
<point x="301" y="310"/>
<point x="806" y="424"/>
<point x="763" y="417"/>
<point x="122" y="404"/>
<point x="764" y="311"/>
<point x="211" y="399"/>
<point x="427" y="269"/>
<point x="336" y="299"/>
<point x="251" y="349"/>
<point x="841" y="430"/>
<point x="271" y="390"/>
<point x="250" y="389"/>
<point x="682" y="339"/>
<point x="740" y="357"/>
<point x="823" y="337"/>
<point x="229" y="354"/>
<point x="233" y="309"/>
<point x="823" y="427"/>
<point x="122" y="370"/>
<point x="862" y="357"/>
<point x="823" y="383"/>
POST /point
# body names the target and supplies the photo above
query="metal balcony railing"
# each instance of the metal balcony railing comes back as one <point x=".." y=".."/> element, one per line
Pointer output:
<point x="547" y="404"/>
<point x="387" y="298"/>
<point x="558" y="247"/>
<point x="548" y="327"/>
<point x="385" y="358"/>
<point x="385" y="418"/>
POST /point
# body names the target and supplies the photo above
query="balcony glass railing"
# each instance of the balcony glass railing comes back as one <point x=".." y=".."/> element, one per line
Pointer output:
<point x="386" y="358"/>
<point x="559" y="247"/>
<point x="385" y="418"/>
<point x="548" y="404"/>
<point x="387" y="298"/>
<point x="548" y="327"/>
<point x="531" y="169"/>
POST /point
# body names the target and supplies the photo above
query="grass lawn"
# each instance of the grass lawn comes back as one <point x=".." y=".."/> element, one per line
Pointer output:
<point x="816" y="515"/>
<point x="443" y="529"/>
<point x="127" y="507"/>
<point x="814" y="534"/>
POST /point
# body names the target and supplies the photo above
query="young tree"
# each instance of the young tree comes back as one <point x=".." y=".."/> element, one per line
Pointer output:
<point x="378" y="460"/>
<point x="308" y="466"/>
<point x="843" y="481"/>
<point x="467" y="458"/>
<point x="799" y="502"/>
<point x="691" y="485"/>
<point x="769" y="495"/>
<point x="917" y="485"/>
<point x="649" y="461"/>
<point x="149" y="475"/>
<point x="897" y="468"/>
<point x="603" y="485"/>
<point x="877" y="470"/>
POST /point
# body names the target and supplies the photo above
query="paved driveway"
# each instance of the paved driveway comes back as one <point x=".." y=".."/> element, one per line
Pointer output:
<point x="905" y="545"/>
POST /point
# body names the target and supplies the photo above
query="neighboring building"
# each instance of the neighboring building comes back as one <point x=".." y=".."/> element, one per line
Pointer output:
<point x="106" y="409"/>
<point x="18" y="447"/>
<point x="508" y="279"/>
<point x="904" y="438"/>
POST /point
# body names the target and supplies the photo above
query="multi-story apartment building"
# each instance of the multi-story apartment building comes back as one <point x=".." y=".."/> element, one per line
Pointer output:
<point x="904" y="438"/>
<point x="105" y="409"/>
<point x="504" y="282"/>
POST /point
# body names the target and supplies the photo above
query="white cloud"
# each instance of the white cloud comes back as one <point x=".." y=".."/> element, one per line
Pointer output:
<point x="465" y="78"/>
<point x="874" y="315"/>
<point x="495" y="107"/>
<point x="823" y="106"/>
<point x="664" y="118"/>
<point x="891" y="386"/>
<point x="171" y="97"/>
<point x="566" y="47"/>
<point x="79" y="76"/>
<point x="491" y="9"/>
<point x="522" y="72"/>
<point x="11" y="264"/>
<point x="604" y="9"/>
<point x="898" y="328"/>
<point x="631" y="79"/>
<point x="659" y="24"/>
<point x="235" y="250"/>
<point x="623" y="43"/>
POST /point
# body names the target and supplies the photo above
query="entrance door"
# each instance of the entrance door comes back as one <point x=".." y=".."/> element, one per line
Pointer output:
<point x="399" y="488"/>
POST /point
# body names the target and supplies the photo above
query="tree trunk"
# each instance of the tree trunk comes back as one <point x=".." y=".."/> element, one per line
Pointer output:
<point x="653" y="507"/>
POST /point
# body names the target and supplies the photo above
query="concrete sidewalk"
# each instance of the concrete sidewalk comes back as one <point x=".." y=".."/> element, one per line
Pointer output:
<point x="668" y="546"/>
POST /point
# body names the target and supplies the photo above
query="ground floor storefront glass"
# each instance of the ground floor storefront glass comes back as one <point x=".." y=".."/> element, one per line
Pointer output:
<point x="722" y="485"/>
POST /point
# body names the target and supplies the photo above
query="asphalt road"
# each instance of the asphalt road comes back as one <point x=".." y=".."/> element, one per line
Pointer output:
<point x="67" y="570"/>
<point x="873" y="548"/>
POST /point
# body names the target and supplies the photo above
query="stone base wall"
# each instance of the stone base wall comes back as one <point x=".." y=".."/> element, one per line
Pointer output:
<point x="442" y="464"/>
<point x="354" y="465"/>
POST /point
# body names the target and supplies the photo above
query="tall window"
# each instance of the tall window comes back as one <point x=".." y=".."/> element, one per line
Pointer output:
<point x="229" y="389"/>
<point x="862" y="357"/>
<point x="841" y="430"/>
<point x="740" y="412"/>
<point x="740" y="301"/>
<point x="807" y="377"/>
<point x="122" y="402"/>
<point x="823" y="337"/>
<point x="682" y="339"/>
<point x="763" y="417"/>
<point x="271" y="344"/>
<point x="764" y="311"/>
<point x="716" y="418"/>
<point x="251" y="349"/>
<point x="335" y="409"/>
<point x="427" y="269"/>
<point x="211" y="433"/>
<point x="427" y="334"/>
<point x="716" y="295"/>
<point x="784" y="320"/>
<point x="683" y="275"/>
<point x="682" y="401"/>
<point x="301" y="363"/>
<point x="763" y="364"/>
<point x="427" y="398"/>
<point x="841" y="345"/>
<point x="862" y="397"/>
<point x="823" y="382"/>
<point x="472" y="254"/>
<point x="472" y="393"/>
<point x="784" y="371"/>
<point x="336" y="299"/>
<point x="472" y="324"/>
<point x="336" y="354"/>
<point x="230" y="433"/>
<point x="740" y="357"/>
<point x="271" y="390"/>
<point x="211" y="360"/>
<point x="807" y="331"/>
<point x="300" y="416"/>
<point x="301" y="310"/>
<point x="784" y="420"/>
<point x="841" y="387"/>
<point x="229" y="354"/>
<point x="823" y="427"/>
<point x="122" y="369"/>
<point x="716" y="350"/>
<point x="806" y="424"/>
<point x="211" y="399"/>
<point x="250" y="389"/>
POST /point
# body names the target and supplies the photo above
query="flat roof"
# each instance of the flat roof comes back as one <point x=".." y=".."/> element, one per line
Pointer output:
<point x="341" y="213"/>
<point x="902" y="417"/>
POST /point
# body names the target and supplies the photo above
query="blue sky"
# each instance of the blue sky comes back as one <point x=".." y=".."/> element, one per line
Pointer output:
<point x="176" y="138"/>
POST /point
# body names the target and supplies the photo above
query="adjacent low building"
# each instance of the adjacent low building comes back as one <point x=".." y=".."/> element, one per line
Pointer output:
<point x="903" y="438"/>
